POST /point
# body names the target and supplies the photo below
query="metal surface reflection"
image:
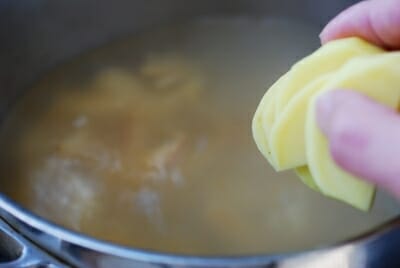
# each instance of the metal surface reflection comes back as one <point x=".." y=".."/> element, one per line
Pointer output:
<point x="379" y="248"/>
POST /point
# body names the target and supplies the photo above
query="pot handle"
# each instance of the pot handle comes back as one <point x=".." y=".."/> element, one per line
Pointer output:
<point x="17" y="251"/>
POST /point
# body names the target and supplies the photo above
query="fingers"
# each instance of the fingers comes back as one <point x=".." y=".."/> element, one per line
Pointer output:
<point x="364" y="137"/>
<point x="377" y="21"/>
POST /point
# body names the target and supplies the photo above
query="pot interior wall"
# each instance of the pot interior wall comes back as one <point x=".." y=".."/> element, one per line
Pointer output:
<point x="37" y="35"/>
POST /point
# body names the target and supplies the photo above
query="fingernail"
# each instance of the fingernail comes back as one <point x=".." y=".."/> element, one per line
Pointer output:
<point x="325" y="110"/>
<point x="322" y="36"/>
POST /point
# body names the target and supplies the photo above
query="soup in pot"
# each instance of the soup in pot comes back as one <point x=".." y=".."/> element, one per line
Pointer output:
<point x="146" y="142"/>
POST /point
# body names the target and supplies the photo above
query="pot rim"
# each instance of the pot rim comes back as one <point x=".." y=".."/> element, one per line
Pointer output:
<point x="152" y="256"/>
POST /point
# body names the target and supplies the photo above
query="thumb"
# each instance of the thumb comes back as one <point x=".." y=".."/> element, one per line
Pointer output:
<point x="364" y="137"/>
<point x="376" y="21"/>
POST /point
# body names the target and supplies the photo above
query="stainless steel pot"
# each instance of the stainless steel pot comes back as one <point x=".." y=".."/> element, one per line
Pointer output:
<point x="36" y="35"/>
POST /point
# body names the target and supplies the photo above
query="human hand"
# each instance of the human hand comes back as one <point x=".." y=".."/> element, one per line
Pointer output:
<point x="364" y="136"/>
